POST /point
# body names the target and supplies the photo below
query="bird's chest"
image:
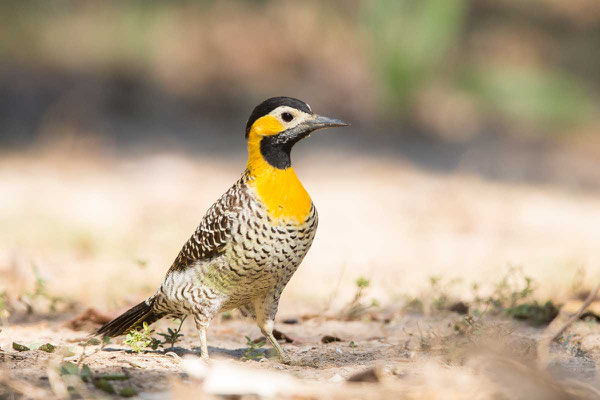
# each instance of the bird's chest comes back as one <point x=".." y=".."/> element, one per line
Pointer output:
<point x="263" y="246"/>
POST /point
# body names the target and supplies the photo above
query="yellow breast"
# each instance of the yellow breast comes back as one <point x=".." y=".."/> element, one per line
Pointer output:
<point x="283" y="195"/>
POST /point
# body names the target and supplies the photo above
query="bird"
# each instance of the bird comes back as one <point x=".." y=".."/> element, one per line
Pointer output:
<point x="250" y="241"/>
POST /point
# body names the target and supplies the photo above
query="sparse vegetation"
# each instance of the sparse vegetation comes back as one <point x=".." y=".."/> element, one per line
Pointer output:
<point x="4" y="307"/>
<point x="40" y="299"/>
<point x="100" y="381"/>
<point x="127" y="392"/>
<point x="69" y="368"/>
<point x="357" y="308"/>
<point x="253" y="351"/>
<point x="172" y="336"/>
<point x="468" y="325"/>
<point x="537" y="314"/>
<point x="511" y="296"/>
<point x="141" y="340"/>
<point x="19" y="347"/>
<point x="512" y="289"/>
<point x="47" y="347"/>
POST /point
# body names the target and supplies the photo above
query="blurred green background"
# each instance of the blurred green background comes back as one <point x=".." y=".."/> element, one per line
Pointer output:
<point x="431" y="81"/>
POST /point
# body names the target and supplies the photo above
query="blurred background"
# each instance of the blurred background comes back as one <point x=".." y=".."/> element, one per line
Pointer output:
<point x="474" y="144"/>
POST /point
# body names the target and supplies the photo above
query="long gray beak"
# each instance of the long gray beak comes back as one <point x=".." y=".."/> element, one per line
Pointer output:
<point x="320" y="122"/>
<point x="305" y="128"/>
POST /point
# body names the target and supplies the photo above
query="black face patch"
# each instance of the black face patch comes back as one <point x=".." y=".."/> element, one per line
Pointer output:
<point x="276" y="152"/>
<point x="276" y="149"/>
<point x="269" y="105"/>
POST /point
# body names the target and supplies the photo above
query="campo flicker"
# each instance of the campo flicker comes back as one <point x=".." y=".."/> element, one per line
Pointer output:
<point x="250" y="241"/>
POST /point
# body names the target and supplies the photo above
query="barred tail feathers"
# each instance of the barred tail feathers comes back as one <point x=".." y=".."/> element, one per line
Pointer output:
<point x="130" y="319"/>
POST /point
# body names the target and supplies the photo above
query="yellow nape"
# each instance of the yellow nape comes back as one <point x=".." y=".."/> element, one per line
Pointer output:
<point x="280" y="190"/>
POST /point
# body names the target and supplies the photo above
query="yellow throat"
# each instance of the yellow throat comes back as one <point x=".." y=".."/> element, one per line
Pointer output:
<point x="280" y="190"/>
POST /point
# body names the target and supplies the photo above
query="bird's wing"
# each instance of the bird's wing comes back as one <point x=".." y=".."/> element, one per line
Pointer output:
<point x="214" y="232"/>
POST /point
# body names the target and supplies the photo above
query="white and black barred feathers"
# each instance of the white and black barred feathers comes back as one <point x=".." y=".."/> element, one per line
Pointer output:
<point x="214" y="231"/>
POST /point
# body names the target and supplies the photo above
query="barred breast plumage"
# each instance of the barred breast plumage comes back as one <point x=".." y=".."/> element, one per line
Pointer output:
<point x="236" y="258"/>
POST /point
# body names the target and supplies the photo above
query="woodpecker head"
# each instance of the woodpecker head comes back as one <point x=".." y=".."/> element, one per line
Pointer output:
<point x="277" y="124"/>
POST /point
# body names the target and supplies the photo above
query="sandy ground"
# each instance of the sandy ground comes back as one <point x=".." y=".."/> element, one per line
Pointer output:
<point x="101" y="231"/>
<point x="410" y="354"/>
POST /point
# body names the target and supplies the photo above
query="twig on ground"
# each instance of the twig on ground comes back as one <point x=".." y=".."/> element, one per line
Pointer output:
<point x="544" y="344"/>
<point x="91" y="341"/>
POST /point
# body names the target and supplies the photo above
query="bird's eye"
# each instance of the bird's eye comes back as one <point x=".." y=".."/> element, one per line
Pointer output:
<point x="287" y="117"/>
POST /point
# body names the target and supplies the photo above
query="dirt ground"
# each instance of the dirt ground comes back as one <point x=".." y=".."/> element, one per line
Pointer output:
<point x="98" y="231"/>
<point x="406" y="354"/>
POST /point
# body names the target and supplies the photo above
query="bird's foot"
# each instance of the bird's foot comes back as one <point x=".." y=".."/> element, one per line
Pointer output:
<point x="285" y="359"/>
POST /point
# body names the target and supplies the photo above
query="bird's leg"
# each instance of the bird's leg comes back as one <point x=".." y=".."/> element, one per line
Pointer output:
<point x="265" y="314"/>
<point x="266" y="327"/>
<point x="202" y="326"/>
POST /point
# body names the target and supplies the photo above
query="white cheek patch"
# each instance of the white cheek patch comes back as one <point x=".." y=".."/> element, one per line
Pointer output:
<point x="296" y="121"/>
<point x="299" y="116"/>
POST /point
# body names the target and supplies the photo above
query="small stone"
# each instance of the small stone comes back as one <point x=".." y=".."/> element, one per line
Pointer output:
<point x="329" y="339"/>
<point x="91" y="342"/>
<point x="459" y="307"/>
<point x="370" y="375"/>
